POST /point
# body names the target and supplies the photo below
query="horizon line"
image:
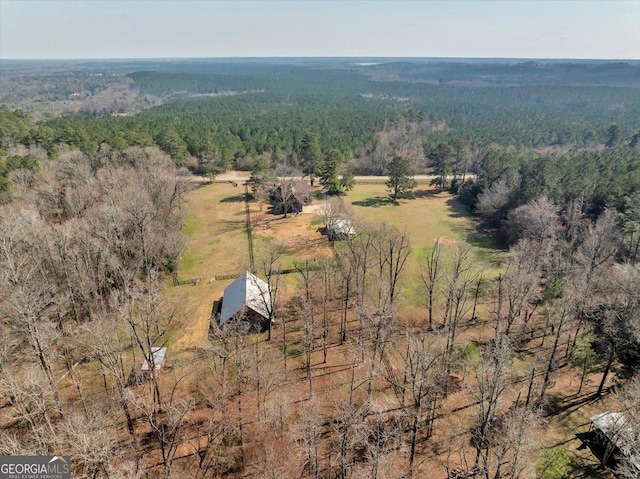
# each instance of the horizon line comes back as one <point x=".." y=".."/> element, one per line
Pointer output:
<point x="265" y="57"/>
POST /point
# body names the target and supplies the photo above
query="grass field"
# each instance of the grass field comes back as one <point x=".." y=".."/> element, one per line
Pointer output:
<point x="216" y="242"/>
<point x="215" y="245"/>
<point x="429" y="216"/>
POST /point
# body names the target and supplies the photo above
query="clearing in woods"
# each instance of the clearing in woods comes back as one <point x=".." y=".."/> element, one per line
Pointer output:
<point x="216" y="242"/>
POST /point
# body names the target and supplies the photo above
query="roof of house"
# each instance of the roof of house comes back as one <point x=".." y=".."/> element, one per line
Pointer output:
<point x="246" y="291"/>
<point x="299" y="188"/>
<point x="158" y="354"/>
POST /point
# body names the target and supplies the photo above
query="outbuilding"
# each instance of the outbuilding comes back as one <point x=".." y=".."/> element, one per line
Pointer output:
<point x="339" y="229"/>
<point x="141" y="373"/>
<point x="618" y="438"/>
<point x="248" y="299"/>
<point x="158" y="354"/>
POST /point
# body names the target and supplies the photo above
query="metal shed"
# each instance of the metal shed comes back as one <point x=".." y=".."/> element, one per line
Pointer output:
<point x="158" y="354"/>
<point x="339" y="229"/>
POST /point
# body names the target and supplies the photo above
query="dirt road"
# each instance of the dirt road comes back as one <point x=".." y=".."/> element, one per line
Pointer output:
<point x="241" y="176"/>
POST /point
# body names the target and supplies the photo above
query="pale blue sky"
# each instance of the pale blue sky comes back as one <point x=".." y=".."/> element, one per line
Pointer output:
<point x="151" y="29"/>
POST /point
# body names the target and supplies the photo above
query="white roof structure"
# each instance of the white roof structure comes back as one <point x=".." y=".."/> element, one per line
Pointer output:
<point x="616" y="427"/>
<point x="158" y="354"/>
<point x="341" y="227"/>
<point x="248" y="291"/>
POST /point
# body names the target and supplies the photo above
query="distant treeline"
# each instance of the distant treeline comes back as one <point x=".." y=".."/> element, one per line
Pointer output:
<point x="255" y="123"/>
<point x="490" y="73"/>
<point x="170" y="84"/>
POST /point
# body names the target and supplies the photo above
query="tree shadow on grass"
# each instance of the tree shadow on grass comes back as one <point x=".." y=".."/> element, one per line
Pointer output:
<point x="478" y="235"/>
<point x="227" y="226"/>
<point x="233" y="199"/>
<point x="458" y="210"/>
<point x="375" y="201"/>
<point x="430" y="193"/>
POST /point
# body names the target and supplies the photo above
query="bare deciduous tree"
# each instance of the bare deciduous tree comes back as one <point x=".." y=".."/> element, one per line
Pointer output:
<point x="512" y="445"/>
<point x="430" y="273"/>
<point x="460" y="273"/>
<point x="346" y="413"/>
<point x="103" y="342"/>
<point x="264" y="374"/>
<point x="89" y="441"/>
<point x="492" y="203"/>
<point x="391" y="248"/>
<point x="310" y="429"/>
<point x="148" y="318"/>
<point x="601" y="242"/>
<point x="378" y="437"/>
<point x="424" y="377"/>
<point x="34" y="404"/>
<point x="28" y="298"/>
<point x="268" y="263"/>
<point x="490" y="384"/>
<point x="166" y="426"/>
<point x="537" y="221"/>
<point x="517" y="288"/>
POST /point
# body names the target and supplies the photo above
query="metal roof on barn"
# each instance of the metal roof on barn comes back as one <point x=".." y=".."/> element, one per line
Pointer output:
<point x="247" y="291"/>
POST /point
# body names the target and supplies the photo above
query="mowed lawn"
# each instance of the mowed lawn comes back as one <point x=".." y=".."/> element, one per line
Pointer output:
<point x="428" y="216"/>
<point x="215" y="245"/>
<point x="216" y="242"/>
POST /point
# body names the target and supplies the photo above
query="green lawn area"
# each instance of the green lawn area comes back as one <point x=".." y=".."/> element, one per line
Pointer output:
<point x="428" y="216"/>
<point x="215" y="245"/>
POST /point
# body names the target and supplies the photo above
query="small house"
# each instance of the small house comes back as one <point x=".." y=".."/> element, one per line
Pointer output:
<point x="290" y="197"/>
<point x="247" y="298"/>
<point x="339" y="229"/>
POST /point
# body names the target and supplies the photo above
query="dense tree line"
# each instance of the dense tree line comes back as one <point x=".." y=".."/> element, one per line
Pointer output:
<point x="482" y="72"/>
<point x="171" y="84"/>
<point x="507" y="180"/>
<point x="260" y="122"/>
<point x="81" y="251"/>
